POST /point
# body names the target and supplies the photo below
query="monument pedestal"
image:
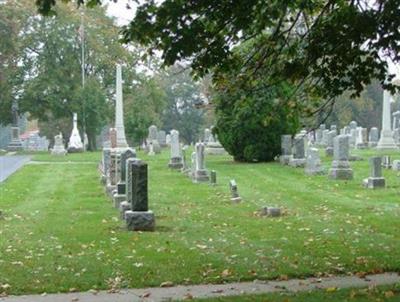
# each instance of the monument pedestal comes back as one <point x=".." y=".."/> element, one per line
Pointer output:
<point x="386" y="142"/>
<point x="297" y="162"/>
<point x="201" y="176"/>
<point x="341" y="170"/>
<point x="140" y="221"/>
<point x="15" y="144"/>
<point x="285" y="159"/>
<point x="374" y="182"/>
<point x="175" y="163"/>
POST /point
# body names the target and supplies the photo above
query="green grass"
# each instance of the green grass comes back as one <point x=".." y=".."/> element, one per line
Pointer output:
<point x="60" y="231"/>
<point x="386" y="293"/>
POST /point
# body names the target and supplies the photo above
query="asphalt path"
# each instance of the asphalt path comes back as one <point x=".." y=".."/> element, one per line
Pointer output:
<point x="10" y="164"/>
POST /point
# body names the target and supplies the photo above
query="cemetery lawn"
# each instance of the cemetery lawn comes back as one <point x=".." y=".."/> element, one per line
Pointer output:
<point x="59" y="232"/>
<point x="381" y="293"/>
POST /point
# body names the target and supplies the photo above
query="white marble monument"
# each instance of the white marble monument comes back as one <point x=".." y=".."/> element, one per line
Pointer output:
<point x="75" y="142"/>
<point x="386" y="141"/>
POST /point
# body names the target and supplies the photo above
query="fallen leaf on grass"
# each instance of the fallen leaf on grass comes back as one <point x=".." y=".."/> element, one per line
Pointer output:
<point x="145" y="295"/>
<point x="331" y="289"/>
<point x="167" y="284"/>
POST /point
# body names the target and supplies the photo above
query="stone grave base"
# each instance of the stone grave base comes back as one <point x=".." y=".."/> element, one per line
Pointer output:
<point x="58" y="152"/>
<point x="201" y="176"/>
<point x="355" y="158"/>
<point x="75" y="150"/>
<point x="236" y="199"/>
<point x="118" y="199"/>
<point x="374" y="182"/>
<point x="175" y="163"/>
<point x="341" y="173"/>
<point x="297" y="162"/>
<point x="285" y="159"/>
<point x="361" y="146"/>
<point x="270" y="211"/>
<point x="140" y="221"/>
<point x="372" y="144"/>
<point x="315" y="171"/>
<point x="123" y="207"/>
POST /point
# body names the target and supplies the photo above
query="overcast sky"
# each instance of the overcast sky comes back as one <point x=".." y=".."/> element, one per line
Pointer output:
<point x="120" y="11"/>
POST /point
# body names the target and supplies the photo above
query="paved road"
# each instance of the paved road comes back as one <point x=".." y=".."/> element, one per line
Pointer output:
<point x="10" y="164"/>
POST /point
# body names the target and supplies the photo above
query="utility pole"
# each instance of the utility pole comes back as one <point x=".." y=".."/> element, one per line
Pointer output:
<point x="82" y="36"/>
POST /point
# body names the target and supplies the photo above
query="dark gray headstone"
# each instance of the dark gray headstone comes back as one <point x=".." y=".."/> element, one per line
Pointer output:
<point x="137" y="191"/>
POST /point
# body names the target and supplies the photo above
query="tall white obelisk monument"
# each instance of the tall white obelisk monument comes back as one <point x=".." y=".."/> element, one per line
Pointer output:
<point x="386" y="141"/>
<point x="119" y="112"/>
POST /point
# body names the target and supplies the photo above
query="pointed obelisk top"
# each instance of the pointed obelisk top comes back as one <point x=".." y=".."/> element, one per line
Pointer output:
<point x="119" y="112"/>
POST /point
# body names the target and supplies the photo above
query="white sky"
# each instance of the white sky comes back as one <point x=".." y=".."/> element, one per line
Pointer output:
<point x="120" y="11"/>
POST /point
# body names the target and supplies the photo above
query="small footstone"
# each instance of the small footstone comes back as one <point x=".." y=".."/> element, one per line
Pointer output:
<point x="396" y="165"/>
<point x="271" y="211"/>
<point x="124" y="207"/>
<point x="118" y="199"/>
<point x="140" y="221"/>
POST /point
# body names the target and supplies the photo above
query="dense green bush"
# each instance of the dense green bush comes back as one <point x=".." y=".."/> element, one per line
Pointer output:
<point x="249" y="126"/>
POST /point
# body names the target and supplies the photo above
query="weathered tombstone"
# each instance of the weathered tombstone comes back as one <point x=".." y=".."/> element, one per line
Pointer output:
<point x="329" y="143"/>
<point x="373" y="137"/>
<point x="318" y="137"/>
<point x="105" y="164"/>
<point x="213" y="177"/>
<point x="375" y="180"/>
<point x="325" y="134"/>
<point x="313" y="164"/>
<point x="168" y="139"/>
<point x="139" y="217"/>
<point x="396" y="165"/>
<point x="334" y="128"/>
<point x="192" y="164"/>
<point x="234" y="192"/>
<point x="346" y="130"/>
<point x="185" y="167"/>
<point x="298" y="159"/>
<point x="121" y="185"/>
<point x="386" y="162"/>
<point x="207" y="135"/>
<point x="340" y="165"/>
<point x="352" y="137"/>
<point x="152" y="140"/>
<point x="361" y="139"/>
<point x="200" y="173"/>
<point x="286" y="149"/>
<point x="161" y="138"/>
<point x="58" y="148"/>
<point x="386" y="141"/>
<point x="153" y="133"/>
<point x="176" y="158"/>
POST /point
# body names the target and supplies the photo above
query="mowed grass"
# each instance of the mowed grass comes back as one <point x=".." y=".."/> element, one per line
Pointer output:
<point x="59" y="231"/>
<point x="382" y="293"/>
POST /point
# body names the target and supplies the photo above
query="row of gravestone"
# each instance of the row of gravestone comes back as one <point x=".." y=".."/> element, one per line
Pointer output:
<point x="358" y="137"/>
<point x="340" y="168"/>
<point x="126" y="180"/>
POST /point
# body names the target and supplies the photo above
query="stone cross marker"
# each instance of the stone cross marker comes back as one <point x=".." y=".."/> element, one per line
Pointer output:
<point x="340" y="165"/>
<point x="375" y="180"/>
